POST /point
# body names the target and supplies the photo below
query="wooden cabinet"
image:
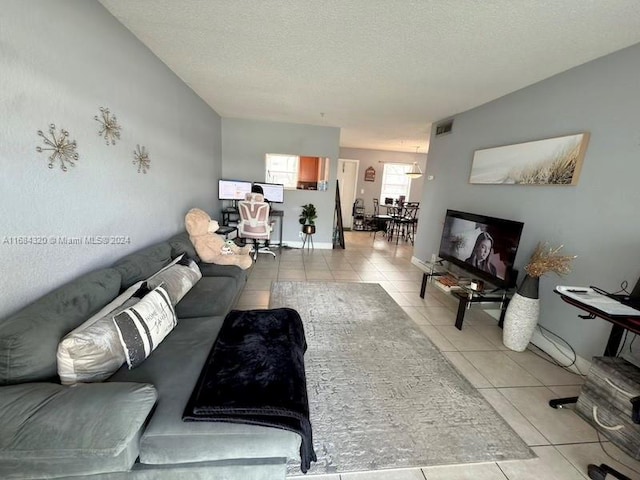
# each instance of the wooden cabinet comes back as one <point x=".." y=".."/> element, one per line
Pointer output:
<point x="308" y="169"/>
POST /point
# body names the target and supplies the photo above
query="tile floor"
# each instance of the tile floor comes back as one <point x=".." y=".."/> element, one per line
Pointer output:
<point x="518" y="385"/>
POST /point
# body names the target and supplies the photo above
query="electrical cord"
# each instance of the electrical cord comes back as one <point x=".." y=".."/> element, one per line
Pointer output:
<point x="612" y="457"/>
<point x="553" y="361"/>
<point x="623" y="289"/>
<point x="622" y="343"/>
<point x="572" y="360"/>
<point x="631" y="344"/>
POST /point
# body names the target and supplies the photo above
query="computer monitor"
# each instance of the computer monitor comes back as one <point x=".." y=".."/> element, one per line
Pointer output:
<point x="233" y="189"/>
<point x="274" y="192"/>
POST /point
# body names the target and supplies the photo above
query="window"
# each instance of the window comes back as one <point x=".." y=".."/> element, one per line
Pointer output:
<point x="282" y="169"/>
<point x="395" y="181"/>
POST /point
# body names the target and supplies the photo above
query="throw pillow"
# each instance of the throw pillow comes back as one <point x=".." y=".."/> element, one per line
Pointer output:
<point x="92" y="352"/>
<point x="177" y="278"/>
<point x="142" y="327"/>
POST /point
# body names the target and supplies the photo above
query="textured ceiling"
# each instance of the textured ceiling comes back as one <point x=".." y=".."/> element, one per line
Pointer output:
<point x="381" y="70"/>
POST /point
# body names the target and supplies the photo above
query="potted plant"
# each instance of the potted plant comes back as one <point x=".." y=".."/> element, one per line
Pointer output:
<point x="307" y="218"/>
<point x="523" y="310"/>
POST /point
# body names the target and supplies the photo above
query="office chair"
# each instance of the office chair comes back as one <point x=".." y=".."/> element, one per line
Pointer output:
<point x="254" y="222"/>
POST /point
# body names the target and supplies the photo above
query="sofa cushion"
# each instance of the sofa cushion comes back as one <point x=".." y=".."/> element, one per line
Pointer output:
<point x="143" y="263"/>
<point x="232" y="271"/>
<point x="209" y="297"/>
<point x="180" y="244"/>
<point x="93" y="352"/>
<point x="51" y="430"/>
<point x="29" y="338"/>
<point x="169" y="440"/>
<point x="142" y="327"/>
<point x="177" y="278"/>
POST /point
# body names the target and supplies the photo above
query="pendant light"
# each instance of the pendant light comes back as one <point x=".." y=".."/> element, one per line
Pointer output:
<point x="415" y="171"/>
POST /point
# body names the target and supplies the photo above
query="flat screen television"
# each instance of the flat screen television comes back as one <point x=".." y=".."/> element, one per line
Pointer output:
<point x="274" y="192"/>
<point x="484" y="246"/>
<point x="233" y="189"/>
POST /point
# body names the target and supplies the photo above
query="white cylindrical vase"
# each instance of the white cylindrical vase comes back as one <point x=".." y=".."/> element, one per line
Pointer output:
<point x="521" y="317"/>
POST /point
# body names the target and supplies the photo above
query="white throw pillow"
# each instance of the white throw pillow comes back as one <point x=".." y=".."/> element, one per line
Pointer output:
<point x="92" y="352"/>
<point x="177" y="278"/>
<point x="142" y="327"/>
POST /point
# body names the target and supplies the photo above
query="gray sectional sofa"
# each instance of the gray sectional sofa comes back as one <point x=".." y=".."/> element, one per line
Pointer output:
<point x="129" y="426"/>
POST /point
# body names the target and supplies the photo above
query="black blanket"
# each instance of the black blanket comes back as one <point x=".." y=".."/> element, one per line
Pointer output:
<point x="255" y="375"/>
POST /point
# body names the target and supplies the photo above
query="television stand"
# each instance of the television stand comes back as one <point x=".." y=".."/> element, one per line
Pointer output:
<point x="466" y="297"/>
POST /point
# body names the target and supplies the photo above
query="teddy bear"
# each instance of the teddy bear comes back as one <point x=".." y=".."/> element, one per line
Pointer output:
<point x="211" y="247"/>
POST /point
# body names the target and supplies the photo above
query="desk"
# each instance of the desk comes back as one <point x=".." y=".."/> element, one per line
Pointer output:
<point x="231" y="215"/>
<point x="226" y="231"/>
<point x="619" y="325"/>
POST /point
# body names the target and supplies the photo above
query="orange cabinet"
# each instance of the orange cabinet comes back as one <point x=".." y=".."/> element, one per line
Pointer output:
<point x="308" y="169"/>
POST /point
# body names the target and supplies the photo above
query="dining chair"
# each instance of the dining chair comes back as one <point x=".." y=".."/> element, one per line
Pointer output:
<point x="380" y="222"/>
<point x="409" y="221"/>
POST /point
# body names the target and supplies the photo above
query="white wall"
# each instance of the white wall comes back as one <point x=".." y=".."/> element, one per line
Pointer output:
<point x="596" y="220"/>
<point x="244" y="145"/>
<point x="60" y="62"/>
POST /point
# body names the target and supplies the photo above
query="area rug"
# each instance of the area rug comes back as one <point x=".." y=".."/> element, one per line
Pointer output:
<point x="381" y="395"/>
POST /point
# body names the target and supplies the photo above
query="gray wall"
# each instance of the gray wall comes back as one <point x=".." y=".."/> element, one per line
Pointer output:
<point x="376" y="159"/>
<point x="244" y="145"/>
<point x="60" y="62"/>
<point x="596" y="220"/>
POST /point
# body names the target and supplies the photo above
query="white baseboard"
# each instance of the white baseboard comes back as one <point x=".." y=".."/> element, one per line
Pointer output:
<point x="418" y="263"/>
<point x="316" y="245"/>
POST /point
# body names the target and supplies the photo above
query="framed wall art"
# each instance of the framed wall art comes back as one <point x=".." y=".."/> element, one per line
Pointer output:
<point x="553" y="161"/>
<point x="370" y="174"/>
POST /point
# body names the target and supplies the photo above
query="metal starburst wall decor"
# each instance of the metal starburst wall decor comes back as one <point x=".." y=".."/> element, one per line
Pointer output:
<point x="141" y="158"/>
<point x="110" y="130"/>
<point x="63" y="150"/>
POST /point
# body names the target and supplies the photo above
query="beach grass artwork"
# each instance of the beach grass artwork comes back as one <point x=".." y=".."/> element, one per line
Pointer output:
<point x="553" y="161"/>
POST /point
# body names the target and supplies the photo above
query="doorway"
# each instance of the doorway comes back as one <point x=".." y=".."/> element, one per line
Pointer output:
<point x="347" y="181"/>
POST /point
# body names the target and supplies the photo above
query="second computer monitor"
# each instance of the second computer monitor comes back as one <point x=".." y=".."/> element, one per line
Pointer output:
<point x="274" y="192"/>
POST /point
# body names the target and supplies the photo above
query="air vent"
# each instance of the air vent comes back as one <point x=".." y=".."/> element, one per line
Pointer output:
<point x="444" y="128"/>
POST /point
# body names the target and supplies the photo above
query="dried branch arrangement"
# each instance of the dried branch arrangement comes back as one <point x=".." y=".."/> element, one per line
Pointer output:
<point x="546" y="259"/>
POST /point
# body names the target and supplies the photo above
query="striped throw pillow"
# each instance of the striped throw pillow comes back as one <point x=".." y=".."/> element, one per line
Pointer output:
<point x="142" y="327"/>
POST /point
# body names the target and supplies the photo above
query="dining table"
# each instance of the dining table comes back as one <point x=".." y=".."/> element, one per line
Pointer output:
<point x="403" y="217"/>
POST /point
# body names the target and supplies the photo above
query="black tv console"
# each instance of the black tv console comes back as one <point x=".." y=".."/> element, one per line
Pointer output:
<point x="466" y="296"/>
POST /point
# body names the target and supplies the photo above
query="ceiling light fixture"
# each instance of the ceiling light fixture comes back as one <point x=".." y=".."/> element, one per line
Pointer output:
<point x="415" y="171"/>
